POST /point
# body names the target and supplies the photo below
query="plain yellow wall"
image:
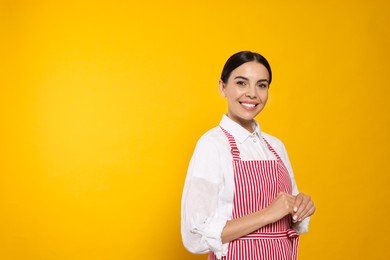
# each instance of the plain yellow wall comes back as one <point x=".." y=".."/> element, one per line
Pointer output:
<point x="102" y="102"/>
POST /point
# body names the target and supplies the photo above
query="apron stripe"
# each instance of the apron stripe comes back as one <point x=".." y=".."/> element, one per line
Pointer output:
<point x="257" y="183"/>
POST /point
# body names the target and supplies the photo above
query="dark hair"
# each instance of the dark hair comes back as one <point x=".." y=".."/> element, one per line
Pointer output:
<point x="240" y="58"/>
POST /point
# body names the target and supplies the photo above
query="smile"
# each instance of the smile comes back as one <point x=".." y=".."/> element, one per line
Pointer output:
<point x="248" y="106"/>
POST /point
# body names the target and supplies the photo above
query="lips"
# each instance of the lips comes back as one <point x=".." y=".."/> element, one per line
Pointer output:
<point x="248" y="106"/>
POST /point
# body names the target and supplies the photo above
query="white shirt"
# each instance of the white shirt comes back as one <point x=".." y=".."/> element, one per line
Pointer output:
<point x="207" y="200"/>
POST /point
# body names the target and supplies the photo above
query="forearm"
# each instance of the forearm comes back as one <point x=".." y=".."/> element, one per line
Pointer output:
<point x="280" y="207"/>
<point x="239" y="227"/>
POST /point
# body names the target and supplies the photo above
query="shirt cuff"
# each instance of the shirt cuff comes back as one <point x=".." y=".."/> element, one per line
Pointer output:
<point x="211" y="232"/>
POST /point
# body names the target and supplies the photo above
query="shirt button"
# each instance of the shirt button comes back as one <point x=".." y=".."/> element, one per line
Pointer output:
<point x="254" y="140"/>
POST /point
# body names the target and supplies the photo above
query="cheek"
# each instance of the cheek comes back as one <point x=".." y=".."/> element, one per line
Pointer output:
<point x="232" y="94"/>
<point x="264" y="96"/>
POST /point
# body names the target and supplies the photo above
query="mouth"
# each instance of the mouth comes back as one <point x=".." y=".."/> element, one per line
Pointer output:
<point x="248" y="106"/>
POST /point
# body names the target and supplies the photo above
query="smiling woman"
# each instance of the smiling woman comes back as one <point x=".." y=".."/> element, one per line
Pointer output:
<point x="240" y="200"/>
<point x="246" y="92"/>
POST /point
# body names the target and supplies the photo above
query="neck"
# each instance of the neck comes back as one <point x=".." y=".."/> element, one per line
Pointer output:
<point x="248" y="127"/>
<point x="247" y="124"/>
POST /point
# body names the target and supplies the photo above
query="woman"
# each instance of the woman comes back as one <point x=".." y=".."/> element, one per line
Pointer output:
<point x="240" y="200"/>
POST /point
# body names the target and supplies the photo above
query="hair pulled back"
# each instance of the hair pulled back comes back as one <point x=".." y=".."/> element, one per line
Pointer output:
<point x="240" y="58"/>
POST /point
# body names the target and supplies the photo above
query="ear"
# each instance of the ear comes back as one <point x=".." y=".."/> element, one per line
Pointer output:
<point x="222" y="88"/>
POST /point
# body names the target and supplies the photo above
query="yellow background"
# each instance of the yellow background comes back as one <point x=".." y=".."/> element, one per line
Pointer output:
<point x="102" y="103"/>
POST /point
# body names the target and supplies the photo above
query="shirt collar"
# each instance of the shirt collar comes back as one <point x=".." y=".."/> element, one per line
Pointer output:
<point x="237" y="131"/>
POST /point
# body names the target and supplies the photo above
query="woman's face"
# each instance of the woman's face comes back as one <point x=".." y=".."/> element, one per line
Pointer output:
<point x="247" y="92"/>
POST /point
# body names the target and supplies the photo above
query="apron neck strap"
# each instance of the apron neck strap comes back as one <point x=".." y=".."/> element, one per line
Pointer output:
<point x="271" y="149"/>
<point x="232" y="142"/>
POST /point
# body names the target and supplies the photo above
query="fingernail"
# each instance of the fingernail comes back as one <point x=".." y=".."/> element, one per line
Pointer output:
<point x="295" y="209"/>
<point x="295" y="217"/>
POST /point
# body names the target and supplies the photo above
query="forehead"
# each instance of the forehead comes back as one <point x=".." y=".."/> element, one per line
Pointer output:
<point x="251" y="70"/>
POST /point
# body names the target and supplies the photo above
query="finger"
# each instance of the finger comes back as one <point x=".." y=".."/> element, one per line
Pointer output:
<point x="300" y="206"/>
<point x="286" y="195"/>
<point x="288" y="198"/>
<point x="309" y="210"/>
<point x="288" y="201"/>
<point x="298" y="200"/>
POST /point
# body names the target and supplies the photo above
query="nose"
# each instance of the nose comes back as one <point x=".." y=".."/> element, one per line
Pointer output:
<point x="251" y="92"/>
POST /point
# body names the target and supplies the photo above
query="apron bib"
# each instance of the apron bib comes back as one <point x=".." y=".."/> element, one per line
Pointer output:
<point x="257" y="183"/>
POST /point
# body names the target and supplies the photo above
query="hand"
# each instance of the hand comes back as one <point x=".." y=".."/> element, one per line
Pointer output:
<point x="303" y="207"/>
<point x="281" y="206"/>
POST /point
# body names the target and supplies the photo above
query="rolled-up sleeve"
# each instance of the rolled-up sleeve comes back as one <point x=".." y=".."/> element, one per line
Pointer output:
<point x="201" y="219"/>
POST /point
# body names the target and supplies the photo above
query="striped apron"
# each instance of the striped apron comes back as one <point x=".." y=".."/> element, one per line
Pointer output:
<point x="257" y="183"/>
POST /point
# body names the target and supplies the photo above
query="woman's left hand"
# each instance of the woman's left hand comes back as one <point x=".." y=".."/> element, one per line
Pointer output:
<point x="303" y="207"/>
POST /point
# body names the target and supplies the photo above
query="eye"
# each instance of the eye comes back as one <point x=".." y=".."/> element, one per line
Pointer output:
<point x="263" y="85"/>
<point x="241" y="83"/>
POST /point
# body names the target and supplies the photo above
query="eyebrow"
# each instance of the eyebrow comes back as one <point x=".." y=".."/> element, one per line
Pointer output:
<point x="241" y="77"/>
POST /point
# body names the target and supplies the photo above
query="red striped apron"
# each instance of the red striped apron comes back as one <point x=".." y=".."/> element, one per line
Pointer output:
<point x="257" y="183"/>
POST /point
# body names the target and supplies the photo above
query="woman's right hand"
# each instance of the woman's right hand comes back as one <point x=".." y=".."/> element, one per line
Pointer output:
<point x="281" y="206"/>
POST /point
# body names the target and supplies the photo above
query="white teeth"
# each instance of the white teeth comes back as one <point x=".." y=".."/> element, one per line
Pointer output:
<point x="248" y="105"/>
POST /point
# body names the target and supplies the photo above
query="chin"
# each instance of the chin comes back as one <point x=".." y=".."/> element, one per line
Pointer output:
<point x="247" y="118"/>
<point x="251" y="116"/>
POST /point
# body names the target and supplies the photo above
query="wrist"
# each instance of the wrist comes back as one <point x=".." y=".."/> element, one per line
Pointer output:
<point x="265" y="217"/>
